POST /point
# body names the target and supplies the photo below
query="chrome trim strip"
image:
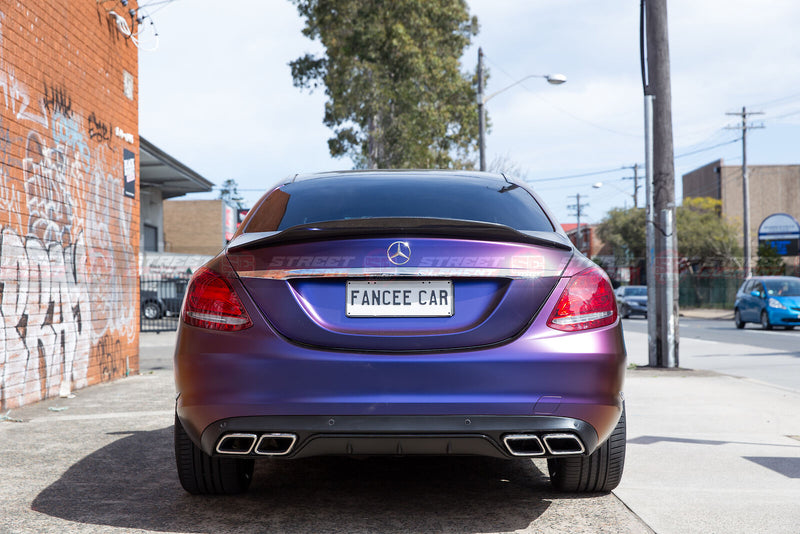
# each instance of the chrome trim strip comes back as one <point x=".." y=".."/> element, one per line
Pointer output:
<point x="222" y="440"/>
<point x="400" y="272"/>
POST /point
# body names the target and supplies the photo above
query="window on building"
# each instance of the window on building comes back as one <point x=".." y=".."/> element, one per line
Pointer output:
<point x="150" y="238"/>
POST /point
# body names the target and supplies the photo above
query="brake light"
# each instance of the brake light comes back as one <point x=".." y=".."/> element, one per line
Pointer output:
<point x="211" y="303"/>
<point x="587" y="302"/>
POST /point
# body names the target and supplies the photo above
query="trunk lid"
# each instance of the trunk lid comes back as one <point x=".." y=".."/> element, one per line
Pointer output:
<point x="400" y="291"/>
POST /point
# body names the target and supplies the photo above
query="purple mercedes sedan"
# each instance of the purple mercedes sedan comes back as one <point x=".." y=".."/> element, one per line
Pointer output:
<point x="399" y="313"/>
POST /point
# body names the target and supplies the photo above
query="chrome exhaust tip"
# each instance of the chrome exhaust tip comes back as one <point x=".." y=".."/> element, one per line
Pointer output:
<point x="561" y="444"/>
<point x="523" y="444"/>
<point x="236" y="443"/>
<point x="275" y="444"/>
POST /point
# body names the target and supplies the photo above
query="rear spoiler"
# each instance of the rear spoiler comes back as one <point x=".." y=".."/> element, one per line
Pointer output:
<point x="408" y="226"/>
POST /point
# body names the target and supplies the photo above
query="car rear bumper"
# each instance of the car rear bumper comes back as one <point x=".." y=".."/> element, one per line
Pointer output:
<point x="255" y="382"/>
<point x="305" y="436"/>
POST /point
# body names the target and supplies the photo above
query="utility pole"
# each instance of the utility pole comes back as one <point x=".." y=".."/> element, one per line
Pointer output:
<point x="578" y="207"/>
<point x="663" y="259"/>
<point x="636" y="186"/>
<point x="748" y="269"/>
<point x="481" y="115"/>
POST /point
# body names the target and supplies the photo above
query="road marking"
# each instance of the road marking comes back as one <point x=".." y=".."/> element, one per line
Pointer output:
<point x="772" y="332"/>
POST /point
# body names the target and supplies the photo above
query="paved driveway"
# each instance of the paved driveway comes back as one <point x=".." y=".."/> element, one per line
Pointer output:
<point x="106" y="461"/>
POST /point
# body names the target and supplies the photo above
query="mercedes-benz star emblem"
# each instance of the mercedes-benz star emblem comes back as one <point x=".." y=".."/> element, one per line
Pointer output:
<point x="399" y="252"/>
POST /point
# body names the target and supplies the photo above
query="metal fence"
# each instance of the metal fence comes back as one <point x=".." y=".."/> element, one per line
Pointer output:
<point x="160" y="302"/>
<point x="710" y="290"/>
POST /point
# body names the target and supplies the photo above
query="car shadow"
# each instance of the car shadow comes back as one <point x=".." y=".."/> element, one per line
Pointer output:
<point x="131" y="483"/>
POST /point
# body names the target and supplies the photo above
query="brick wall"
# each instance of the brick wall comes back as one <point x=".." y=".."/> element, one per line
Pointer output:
<point x="193" y="226"/>
<point x="69" y="235"/>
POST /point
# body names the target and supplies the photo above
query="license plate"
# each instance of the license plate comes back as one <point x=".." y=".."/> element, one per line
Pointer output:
<point x="399" y="298"/>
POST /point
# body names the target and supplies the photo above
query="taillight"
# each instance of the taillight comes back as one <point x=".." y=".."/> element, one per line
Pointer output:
<point x="211" y="303"/>
<point x="587" y="302"/>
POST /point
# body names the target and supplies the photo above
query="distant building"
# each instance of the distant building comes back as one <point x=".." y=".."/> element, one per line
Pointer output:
<point x="590" y="244"/>
<point x="162" y="177"/>
<point x="773" y="189"/>
<point x="198" y="226"/>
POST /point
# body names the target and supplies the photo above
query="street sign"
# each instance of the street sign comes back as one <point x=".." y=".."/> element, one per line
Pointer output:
<point x="780" y="231"/>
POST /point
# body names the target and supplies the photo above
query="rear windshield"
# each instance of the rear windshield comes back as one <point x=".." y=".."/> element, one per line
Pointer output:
<point x="363" y="197"/>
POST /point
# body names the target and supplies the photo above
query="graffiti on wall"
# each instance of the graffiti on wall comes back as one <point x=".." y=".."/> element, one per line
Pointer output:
<point x="67" y="263"/>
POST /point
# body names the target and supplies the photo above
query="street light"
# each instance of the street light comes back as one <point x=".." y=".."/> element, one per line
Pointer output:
<point x="598" y="185"/>
<point x="553" y="79"/>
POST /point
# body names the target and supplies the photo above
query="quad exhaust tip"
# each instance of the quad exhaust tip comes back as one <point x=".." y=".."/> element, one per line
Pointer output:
<point x="275" y="444"/>
<point x="560" y="444"/>
<point x="523" y="444"/>
<point x="553" y="444"/>
<point x="270" y="444"/>
<point x="236" y="443"/>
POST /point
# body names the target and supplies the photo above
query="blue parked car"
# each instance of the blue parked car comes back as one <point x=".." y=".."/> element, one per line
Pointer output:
<point x="768" y="300"/>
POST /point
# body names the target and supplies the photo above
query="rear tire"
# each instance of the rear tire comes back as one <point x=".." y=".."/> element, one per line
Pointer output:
<point x="737" y="318"/>
<point x="601" y="471"/>
<point x="201" y="474"/>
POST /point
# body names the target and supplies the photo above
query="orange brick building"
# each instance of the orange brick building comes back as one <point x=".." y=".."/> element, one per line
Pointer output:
<point x="69" y="215"/>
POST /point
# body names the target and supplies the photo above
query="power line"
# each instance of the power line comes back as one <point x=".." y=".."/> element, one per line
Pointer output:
<point x="795" y="112"/>
<point x="570" y="176"/>
<point x="707" y="148"/>
<point x="616" y="169"/>
<point x="780" y="100"/>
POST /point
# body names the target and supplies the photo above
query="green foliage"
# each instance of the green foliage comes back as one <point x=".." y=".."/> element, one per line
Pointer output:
<point x="624" y="231"/>
<point x="705" y="238"/>
<point x="396" y="96"/>
<point x="769" y="261"/>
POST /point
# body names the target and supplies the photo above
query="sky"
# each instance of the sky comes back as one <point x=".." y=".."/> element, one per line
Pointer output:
<point x="215" y="92"/>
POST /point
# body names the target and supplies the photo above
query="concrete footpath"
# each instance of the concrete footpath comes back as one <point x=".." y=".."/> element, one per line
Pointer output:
<point x="706" y="453"/>
<point x="709" y="452"/>
<point x="706" y="313"/>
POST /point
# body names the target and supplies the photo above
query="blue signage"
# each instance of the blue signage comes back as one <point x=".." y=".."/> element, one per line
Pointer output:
<point x="780" y="231"/>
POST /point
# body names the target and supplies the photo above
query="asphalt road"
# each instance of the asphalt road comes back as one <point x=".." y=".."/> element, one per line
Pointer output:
<point x="771" y="356"/>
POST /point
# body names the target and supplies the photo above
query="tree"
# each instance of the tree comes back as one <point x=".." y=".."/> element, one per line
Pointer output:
<point x="505" y="165"/>
<point x="705" y="238"/>
<point x="624" y="231"/>
<point x="229" y="192"/>
<point x="769" y="261"/>
<point x="396" y="96"/>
